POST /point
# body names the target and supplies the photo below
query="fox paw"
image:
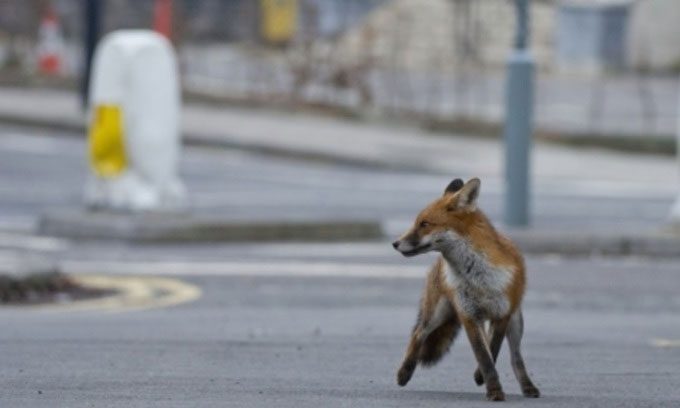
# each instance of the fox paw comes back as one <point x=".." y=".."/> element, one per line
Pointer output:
<point x="405" y="373"/>
<point x="479" y="378"/>
<point x="495" y="395"/>
<point x="531" y="391"/>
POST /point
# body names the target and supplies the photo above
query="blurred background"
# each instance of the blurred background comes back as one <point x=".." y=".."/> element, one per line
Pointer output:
<point x="312" y="134"/>
<point x="604" y="67"/>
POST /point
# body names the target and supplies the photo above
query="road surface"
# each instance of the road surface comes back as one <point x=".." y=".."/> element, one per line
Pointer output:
<point x="320" y="325"/>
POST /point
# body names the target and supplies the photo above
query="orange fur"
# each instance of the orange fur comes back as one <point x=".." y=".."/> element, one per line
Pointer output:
<point x="479" y="276"/>
<point x="478" y="230"/>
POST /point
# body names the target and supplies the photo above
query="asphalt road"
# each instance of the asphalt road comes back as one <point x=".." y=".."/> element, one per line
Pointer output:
<point x="320" y="325"/>
<point x="280" y="338"/>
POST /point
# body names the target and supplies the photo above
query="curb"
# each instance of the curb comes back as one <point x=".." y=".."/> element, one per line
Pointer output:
<point x="197" y="140"/>
<point x="160" y="228"/>
<point x="53" y="124"/>
<point x="24" y="274"/>
<point x="634" y="143"/>
<point x="663" y="244"/>
<point x="17" y="289"/>
<point x="208" y="141"/>
<point x="640" y="143"/>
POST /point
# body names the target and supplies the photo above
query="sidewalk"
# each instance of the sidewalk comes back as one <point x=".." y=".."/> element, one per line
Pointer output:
<point x="369" y="144"/>
<point x="556" y="169"/>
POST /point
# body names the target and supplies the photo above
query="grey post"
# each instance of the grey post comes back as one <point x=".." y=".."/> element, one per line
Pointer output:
<point x="93" y="21"/>
<point x="675" y="210"/>
<point x="518" y="127"/>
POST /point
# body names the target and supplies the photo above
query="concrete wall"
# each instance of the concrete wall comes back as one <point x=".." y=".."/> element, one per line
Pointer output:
<point x="592" y="38"/>
<point x="654" y="34"/>
<point x="412" y="33"/>
<point x="445" y="34"/>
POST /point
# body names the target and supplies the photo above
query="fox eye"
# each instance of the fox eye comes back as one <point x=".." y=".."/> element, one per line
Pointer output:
<point x="424" y="224"/>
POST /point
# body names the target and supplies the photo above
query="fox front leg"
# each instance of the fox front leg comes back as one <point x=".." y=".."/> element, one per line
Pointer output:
<point x="475" y="333"/>
<point x="497" y="331"/>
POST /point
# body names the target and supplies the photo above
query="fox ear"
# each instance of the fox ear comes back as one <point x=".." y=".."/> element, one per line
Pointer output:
<point x="467" y="195"/>
<point x="454" y="186"/>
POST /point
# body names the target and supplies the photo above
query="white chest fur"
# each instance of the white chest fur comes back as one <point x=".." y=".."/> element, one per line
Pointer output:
<point x="478" y="285"/>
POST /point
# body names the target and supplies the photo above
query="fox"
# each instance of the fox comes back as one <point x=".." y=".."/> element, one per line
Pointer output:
<point x="479" y="278"/>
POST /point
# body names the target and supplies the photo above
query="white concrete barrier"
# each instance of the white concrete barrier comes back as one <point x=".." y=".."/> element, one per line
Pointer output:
<point x="134" y="136"/>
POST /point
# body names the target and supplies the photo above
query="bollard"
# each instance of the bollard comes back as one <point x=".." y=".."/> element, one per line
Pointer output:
<point x="518" y="124"/>
<point x="517" y="137"/>
<point x="134" y="139"/>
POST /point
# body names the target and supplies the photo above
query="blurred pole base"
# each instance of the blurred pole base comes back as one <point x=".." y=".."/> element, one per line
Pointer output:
<point x="675" y="214"/>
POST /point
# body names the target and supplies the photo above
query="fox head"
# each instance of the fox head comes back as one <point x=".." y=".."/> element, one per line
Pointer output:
<point x="443" y="221"/>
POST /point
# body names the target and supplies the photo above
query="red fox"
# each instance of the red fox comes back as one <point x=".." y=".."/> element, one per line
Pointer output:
<point x="478" y="278"/>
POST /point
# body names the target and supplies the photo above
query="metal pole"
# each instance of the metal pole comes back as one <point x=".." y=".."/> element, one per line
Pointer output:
<point x="675" y="210"/>
<point x="92" y="31"/>
<point x="518" y="123"/>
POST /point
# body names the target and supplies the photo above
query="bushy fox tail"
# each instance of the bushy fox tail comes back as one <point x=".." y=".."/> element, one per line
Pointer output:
<point x="438" y="343"/>
<point x="428" y="350"/>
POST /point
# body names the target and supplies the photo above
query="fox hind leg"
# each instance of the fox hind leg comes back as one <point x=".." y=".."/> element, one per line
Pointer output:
<point x="430" y="339"/>
<point x="514" y="335"/>
<point x="408" y="366"/>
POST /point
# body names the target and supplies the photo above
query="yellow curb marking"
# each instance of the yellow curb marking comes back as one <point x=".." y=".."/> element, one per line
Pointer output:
<point x="131" y="293"/>
<point x="665" y="343"/>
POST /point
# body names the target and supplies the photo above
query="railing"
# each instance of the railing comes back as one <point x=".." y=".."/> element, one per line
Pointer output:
<point x="437" y="61"/>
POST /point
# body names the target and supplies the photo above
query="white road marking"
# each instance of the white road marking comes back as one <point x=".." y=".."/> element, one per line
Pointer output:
<point x="131" y="293"/>
<point x="17" y="223"/>
<point x="25" y="143"/>
<point x="665" y="343"/>
<point x="236" y="268"/>
<point x="22" y="241"/>
<point x="315" y="250"/>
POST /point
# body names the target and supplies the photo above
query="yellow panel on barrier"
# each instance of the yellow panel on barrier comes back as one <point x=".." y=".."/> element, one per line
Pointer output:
<point x="278" y="20"/>
<point x="107" y="142"/>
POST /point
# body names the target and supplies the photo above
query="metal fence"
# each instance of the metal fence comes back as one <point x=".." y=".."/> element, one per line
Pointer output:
<point x="440" y="61"/>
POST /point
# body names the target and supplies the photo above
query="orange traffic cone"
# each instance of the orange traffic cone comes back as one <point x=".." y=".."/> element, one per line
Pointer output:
<point x="50" y="45"/>
<point x="162" y="18"/>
